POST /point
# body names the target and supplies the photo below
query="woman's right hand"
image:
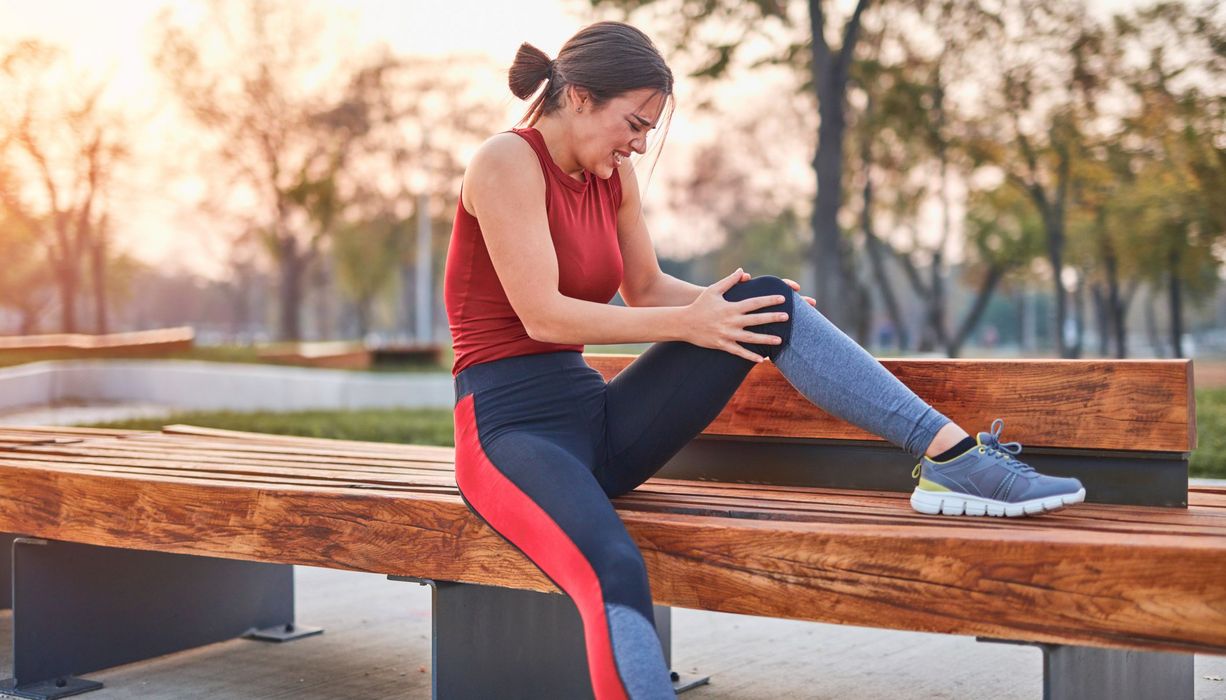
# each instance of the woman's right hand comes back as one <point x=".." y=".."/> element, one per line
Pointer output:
<point x="714" y="322"/>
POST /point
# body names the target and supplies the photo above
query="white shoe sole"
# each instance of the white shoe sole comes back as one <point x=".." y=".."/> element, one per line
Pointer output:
<point x="950" y="503"/>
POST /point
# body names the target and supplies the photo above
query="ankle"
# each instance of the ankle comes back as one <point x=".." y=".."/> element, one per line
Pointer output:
<point x="946" y="438"/>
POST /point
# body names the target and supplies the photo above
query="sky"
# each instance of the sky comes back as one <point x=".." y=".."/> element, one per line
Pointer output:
<point x="114" y="40"/>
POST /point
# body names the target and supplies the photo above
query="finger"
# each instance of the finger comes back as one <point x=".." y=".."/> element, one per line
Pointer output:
<point x="759" y="319"/>
<point x="740" y="351"/>
<point x="791" y="284"/>
<point x="812" y="301"/>
<point x="726" y="283"/>
<point x="745" y="276"/>
<point x="754" y="303"/>
<point x="760" y="338"/>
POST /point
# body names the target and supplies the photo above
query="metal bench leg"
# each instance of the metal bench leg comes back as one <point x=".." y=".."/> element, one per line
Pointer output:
<point x="79" y="608"/>
<point x="507" y="643"/>
<point x="1093" y="673"/>
<point x="6" y="570"/>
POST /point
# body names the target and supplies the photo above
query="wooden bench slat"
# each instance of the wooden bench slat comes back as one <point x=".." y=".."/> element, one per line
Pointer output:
<point x="1143" y="405"/>
<point x="201" y="457"/>
<point x="955" y="580"/>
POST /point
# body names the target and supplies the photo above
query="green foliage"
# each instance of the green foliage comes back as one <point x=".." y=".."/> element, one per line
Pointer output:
<point x="25" y="276"/>
<point x="367" y="255"/>
<point x="765" y="246"/>
<point x="435" y="427"/>
<point x="404" y="426"/>
<point x="1209" y="459"/>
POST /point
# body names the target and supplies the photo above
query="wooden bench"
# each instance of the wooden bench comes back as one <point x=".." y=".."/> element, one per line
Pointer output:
<point x="777" y="510"/>
<point x="135" y="343"/>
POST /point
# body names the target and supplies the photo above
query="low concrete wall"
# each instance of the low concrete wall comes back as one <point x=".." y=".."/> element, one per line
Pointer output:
<point x="191" y="385"/>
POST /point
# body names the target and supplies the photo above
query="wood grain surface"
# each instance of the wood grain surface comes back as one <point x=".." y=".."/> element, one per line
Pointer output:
<point x="1145" y="405"/>
<point x="1099" y="575"/>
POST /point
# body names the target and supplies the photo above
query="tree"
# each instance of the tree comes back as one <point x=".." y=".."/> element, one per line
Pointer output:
<point x="720" y="29"/>
<point x="306" y="150"/>
<point x="910" y="147"/>
<point x="367" y="255"/>
<point x="1175" y="147"/>
<point x="25" y="278"/>
<point x="1037" y="119"/>
<point x="58" y="156"/>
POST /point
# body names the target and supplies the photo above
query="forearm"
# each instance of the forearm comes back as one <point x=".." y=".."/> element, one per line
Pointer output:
<point x="668" y="291"/>
<point x="577" y="322"/>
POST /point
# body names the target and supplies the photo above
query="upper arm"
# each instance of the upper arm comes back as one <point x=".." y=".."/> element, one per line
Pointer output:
<point x="640" y="268"/>
<point x="505" y="187"/>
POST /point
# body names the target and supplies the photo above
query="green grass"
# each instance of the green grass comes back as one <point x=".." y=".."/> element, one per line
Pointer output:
<point x="434" y="427"/>
<point x="1209" y="459"/>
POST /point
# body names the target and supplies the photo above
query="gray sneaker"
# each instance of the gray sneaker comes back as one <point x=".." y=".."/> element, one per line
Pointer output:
<point x="990" y="480"/>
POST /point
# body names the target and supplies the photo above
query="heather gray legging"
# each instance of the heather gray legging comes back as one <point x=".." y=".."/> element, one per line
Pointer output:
<point x="842" y="379"/>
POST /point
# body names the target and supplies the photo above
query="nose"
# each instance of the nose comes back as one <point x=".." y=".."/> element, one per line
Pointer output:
<point x="639" y="145"/>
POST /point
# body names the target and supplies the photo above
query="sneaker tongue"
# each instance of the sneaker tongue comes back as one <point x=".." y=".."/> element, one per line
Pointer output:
<point x="983" y="438"/>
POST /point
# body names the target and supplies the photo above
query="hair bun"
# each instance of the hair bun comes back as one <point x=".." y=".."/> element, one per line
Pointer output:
<point x="530" y="68"/>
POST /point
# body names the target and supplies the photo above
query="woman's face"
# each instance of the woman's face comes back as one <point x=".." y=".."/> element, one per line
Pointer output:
<point x="606" y="136"/>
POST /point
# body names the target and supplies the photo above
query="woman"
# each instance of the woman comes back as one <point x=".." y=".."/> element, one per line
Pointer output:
<point x="548" y="229"/>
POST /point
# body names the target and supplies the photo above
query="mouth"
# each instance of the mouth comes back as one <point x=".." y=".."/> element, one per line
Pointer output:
<point x="619" y="157"/>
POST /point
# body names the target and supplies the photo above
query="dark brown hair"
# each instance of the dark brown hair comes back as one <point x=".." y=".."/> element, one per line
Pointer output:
<point x="605" y="58"/>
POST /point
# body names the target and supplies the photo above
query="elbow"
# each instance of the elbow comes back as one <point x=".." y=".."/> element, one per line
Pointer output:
<point x="638" y="294"/>
<point x="539" y="328"/>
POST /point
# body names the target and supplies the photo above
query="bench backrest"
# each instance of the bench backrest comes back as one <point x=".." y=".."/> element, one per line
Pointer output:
<point x="1073" y="417"/>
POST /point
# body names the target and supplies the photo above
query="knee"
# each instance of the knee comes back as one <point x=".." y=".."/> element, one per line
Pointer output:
<point x="620" y="566"/>
<point x="765" y="285"/>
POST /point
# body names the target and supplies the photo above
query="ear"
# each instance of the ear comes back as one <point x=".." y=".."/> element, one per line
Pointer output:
<point x="578" y="96"/>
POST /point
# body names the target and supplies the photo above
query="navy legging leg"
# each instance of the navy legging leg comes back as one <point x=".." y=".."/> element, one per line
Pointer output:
<point x="542" y="443"/>
<point x="667" y="395"/>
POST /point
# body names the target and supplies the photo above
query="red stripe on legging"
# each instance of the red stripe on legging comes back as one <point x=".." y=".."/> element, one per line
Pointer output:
<point x="518" y="518"/>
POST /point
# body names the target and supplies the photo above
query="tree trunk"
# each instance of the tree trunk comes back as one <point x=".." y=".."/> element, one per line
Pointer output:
<point x="886" y="290"/>
<point x="873" y="245"/>
<point x="67" y="283"/>
<point x="291" y="264"/>
<point x="1103" y="318"/>
<point x="1175" y="297"/>
<point x="1115" y="307"/>
<point x="954" y="347"/>
<point x="1055" y="255"/>
<point x="1151" y="323"/>
<point x="98" y="270"/>
<point x="828" y="256"/>
<point x="936" y="303"/>
<point x="1078" y="313"/>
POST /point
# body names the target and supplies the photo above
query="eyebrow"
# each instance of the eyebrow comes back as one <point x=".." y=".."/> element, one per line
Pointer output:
<point x="643" y="121"/>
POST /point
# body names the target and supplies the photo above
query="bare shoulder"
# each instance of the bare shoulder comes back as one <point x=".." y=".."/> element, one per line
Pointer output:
<point x="630" y="186"/>
<point x="504" y="163"/>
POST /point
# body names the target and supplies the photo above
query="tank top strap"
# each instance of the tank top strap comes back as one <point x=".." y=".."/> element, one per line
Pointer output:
<point x="551" y="170"/>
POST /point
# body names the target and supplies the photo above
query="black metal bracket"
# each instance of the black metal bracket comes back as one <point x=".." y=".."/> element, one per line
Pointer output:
<point x="490" y="641"/>
<point x="6" y="570"/>
<point x="1093" y="673"/>
<point x="79" y="608"/>
<point x="1110" y="476"/>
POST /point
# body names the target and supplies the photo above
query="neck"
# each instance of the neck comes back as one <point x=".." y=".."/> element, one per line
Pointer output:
<point x="557" y="141"/>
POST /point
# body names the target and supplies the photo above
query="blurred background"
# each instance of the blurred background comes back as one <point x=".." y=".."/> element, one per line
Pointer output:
<point x="275" y="182"/>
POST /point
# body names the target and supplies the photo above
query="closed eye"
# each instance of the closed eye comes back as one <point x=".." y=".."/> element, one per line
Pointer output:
<point x="634" y="126"/>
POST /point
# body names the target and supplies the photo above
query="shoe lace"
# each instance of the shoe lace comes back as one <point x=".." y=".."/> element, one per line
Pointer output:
<point x="1008" y="450"/>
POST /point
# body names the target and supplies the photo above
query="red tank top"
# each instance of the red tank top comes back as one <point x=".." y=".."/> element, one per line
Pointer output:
<point x="583" y="224"/>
